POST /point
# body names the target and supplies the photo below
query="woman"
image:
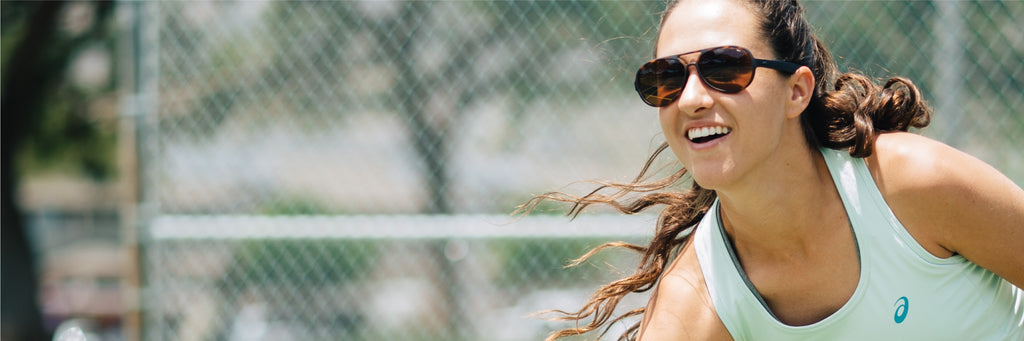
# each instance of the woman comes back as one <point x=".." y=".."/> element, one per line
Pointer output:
<point x="812" y="213"/>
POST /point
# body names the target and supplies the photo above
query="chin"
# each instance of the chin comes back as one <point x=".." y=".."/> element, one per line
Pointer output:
<point x="714" y="174"/>
<point x="708" y="181"/>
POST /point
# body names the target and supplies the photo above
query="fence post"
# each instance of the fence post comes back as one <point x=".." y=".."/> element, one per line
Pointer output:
<point x="136" y="126"/>
<point x="949" y="81"/>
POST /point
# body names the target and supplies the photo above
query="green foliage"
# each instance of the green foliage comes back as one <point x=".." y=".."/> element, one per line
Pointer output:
<point x="12" y="29"/>
<point x="544" y="262"/>
<point x="60" y="127"/>
<point x="66" y="140"/>
<point x="306" y="262"/>
<point x="293" y="206"/>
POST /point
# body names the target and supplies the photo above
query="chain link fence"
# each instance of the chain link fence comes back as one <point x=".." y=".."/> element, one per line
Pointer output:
<point x="345" y="169"/>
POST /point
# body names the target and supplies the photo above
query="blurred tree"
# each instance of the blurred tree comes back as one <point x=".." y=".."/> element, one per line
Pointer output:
<point x="428" y="62"/>
<point x="45" y="123"/>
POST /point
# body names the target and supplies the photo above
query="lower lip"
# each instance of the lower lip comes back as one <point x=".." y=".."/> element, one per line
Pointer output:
<point x="707" y="145"/>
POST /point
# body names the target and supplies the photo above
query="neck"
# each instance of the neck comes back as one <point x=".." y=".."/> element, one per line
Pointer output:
<point x="785" y="210"/>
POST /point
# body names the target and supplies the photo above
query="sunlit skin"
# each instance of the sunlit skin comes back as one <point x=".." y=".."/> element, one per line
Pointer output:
<point x="802" y="258"/>
<point x="762" y="124"/>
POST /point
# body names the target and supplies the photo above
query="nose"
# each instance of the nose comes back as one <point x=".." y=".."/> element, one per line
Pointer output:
<point x="695" y="97"/>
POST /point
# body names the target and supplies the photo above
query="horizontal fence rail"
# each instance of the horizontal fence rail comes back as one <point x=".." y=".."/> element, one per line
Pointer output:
<point x="209" y="227"/>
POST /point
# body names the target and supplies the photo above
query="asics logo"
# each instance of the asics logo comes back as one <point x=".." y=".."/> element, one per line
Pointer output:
<point x="902" y="306"/>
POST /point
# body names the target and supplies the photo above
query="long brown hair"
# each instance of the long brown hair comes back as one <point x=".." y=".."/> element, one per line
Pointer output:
<point x="847" y="112"/>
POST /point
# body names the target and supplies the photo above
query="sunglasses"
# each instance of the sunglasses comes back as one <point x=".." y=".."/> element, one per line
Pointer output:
<point x="727" y="69"/>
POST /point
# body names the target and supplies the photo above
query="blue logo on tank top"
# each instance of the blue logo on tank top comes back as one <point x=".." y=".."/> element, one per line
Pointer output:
<point x="902" y="307"/>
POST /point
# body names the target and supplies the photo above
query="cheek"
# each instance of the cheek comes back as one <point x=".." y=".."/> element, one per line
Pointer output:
<point x="670" y="125"/>
<point x="766" y="108"/>
<point x="665" y="118"/>
<point x="763" y="125"/>
<point x="671" y="128"/>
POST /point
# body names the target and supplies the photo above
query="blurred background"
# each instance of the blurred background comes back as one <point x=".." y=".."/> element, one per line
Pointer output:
<point x="281" y="170"/>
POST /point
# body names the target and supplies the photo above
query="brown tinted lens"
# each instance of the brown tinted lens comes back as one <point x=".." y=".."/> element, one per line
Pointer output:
<point x="726" y="69"/>
<point x="659" y="82"/>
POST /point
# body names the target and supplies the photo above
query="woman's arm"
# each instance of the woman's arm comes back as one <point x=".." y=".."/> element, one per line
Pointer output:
<point x="680" y="307"/>
<point x="952" y="203"/>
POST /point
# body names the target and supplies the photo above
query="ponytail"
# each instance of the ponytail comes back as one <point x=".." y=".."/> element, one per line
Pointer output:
<point x="858" y="110"/>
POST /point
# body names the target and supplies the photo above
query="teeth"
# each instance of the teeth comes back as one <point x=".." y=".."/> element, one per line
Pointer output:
<point x="697" y="133"/>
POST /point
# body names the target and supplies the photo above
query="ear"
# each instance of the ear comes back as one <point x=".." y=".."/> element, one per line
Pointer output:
<point x="801" y="85"/>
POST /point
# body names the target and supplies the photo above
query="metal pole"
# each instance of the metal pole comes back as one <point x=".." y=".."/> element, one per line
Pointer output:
<point x="138" y="77"/>
<point x="948" y="65"/>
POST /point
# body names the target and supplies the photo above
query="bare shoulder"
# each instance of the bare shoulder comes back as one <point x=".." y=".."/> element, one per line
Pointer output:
<point x="680" y="307"/>
<point x="951" y="202"/>
<point x="914" y="162"/>
<point x="906" y="162"/>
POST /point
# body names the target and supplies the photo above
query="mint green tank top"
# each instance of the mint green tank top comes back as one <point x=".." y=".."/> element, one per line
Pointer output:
<point x="904" y="292"/>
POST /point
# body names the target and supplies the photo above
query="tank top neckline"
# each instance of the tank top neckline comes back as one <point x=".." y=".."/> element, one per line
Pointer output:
<point x="834" y="166"/>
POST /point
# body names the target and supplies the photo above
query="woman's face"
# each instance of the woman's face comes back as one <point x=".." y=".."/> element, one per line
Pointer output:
<point x="755" y="118"/>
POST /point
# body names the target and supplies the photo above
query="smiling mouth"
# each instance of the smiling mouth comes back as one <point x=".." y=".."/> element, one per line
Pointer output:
<point x="707" y="134"/>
